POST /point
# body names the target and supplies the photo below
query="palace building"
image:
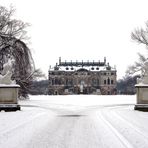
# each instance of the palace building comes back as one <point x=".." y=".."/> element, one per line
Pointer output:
<point x="67" y="78"/>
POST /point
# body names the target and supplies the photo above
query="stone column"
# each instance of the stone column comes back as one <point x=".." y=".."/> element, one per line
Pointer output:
<point x="142" y="97"/>
<point x="142" y="89"/>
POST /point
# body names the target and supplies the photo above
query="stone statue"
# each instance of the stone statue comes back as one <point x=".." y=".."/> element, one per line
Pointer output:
<point x="144" y="78"/>
<point x="5" y="76"/>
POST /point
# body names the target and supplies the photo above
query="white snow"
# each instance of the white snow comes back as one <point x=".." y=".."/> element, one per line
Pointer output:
<point x="75" y="68"/>
<point x="9" y="85"/>
<point x="141" y="84"/>
<point x="82" y="121"/>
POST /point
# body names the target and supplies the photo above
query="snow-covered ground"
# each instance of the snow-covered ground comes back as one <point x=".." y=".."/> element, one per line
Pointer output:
<point x="82" y="121"/>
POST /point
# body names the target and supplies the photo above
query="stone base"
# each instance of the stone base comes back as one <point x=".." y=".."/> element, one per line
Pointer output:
<point x="142" y="93"/>
<point x="141" y="107"/>
<point x="10" y="107"/>
<point x="9" y="97"/>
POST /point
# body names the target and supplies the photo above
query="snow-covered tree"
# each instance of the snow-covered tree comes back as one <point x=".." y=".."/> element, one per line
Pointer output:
<point x="141" y="37"/>
<point x="13" y="46"/>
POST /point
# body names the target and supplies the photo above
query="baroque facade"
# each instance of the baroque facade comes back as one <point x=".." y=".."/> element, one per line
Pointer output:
<point x="82" y="78"/>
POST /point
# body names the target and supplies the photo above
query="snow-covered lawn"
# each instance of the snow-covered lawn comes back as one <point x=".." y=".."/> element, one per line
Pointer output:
<point x="82" y="121"/>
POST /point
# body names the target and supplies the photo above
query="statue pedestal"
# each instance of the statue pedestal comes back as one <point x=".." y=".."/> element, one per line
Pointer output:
<point x="142" y="97"/>
<point x="9" y="97"/>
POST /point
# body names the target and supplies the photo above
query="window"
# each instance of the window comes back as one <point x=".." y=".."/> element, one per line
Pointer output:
<point x="104" y="81"/>
<point x="97" y="81"/>
<point x="94" y="82"/>
<point x="112" y="81"/>
<point x="66" y="82"/>
<point x="52" y="81"/>
<point x="70" y="82"/>
<point x="108" y="81"/>
<point x="56" y="81"/>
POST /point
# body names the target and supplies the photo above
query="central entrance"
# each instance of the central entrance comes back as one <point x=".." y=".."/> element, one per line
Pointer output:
<point x="82" y="87"/>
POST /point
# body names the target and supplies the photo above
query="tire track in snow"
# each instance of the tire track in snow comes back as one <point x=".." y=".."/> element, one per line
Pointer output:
<point x="121" y="138"/>
<point x="141" y="129"/>
<point x="10" y="130"/>
<point x="130" y="125"/>
<point x="132" y="133"/>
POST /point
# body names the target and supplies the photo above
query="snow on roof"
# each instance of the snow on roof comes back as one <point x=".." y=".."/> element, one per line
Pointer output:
<point x="82" y="66"/>
<point x="77" y="68"/>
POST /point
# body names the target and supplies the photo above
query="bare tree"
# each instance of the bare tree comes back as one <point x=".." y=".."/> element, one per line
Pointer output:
<point x="10" y="27"/>
<point x="12" y="46"/>
<point x="141" y="37"/>
<point x="137" y="66"/>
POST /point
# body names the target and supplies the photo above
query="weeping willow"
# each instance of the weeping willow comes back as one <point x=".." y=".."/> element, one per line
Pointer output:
<point x="12" y="46"/>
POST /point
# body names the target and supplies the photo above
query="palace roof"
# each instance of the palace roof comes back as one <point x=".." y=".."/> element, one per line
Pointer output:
<point x="82" y="66"/>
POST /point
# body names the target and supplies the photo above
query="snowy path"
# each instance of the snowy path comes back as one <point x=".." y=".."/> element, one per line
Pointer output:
<point x="51" y="124"/>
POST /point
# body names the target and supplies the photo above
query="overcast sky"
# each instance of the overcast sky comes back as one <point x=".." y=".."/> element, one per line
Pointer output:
<point x="82" y="30"/>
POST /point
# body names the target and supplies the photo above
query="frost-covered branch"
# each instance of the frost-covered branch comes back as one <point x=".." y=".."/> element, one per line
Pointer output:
<point x="140" y="36"/>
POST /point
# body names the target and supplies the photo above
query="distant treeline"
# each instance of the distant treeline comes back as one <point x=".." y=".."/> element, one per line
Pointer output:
<point x="39" y="87"/>
<point x="127" y="85"/>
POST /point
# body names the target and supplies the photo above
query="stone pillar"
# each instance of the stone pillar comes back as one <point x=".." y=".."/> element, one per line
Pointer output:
<point x="142" y="97"/>
<point x="8" y="89"/>
<point x="142" y="89"/>
<point x="9" y="97"/>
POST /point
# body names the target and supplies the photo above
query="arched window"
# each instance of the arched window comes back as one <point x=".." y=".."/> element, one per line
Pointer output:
<point x="70" y="82"/>
<point x="66" y="82"/>
<point x="52" y="81"/>
<point x="97" y="81"/>
<point x="108" y="81"/>
<point x="104" y="81"/>
<point x="56" y="81"/>
<point x="112" y="81"/>
<point x="94" y="82"/>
